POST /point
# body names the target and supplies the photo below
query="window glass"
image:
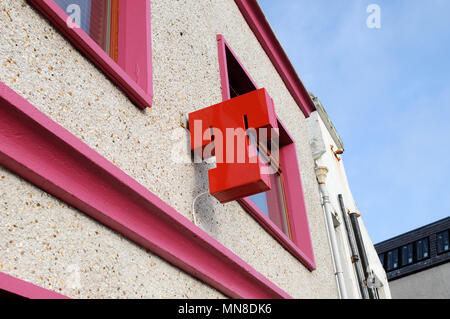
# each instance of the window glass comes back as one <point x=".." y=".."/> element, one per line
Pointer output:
<point x="98" y="18"/>
<point x="442" y="240"/>
<point x="381" y="256"/>
<point x="392" y="260"/>
<point x="238" y="79"/>
<point x="260" y="200"/>
<point x="273" y="203"/>
<point x="422" y="249"/>
<point x="407" y="254"/>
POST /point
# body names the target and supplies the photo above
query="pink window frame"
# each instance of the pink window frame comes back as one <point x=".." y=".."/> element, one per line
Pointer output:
<point x="25" y="289"/>
<point x="300" y="245"/>
<point x="133" y="70"/>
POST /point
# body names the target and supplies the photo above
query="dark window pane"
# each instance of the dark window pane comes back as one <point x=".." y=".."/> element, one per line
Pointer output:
<point x="422" y="249"/>
<point x="381" y="256"/>
<point x="442" y="242"/>
<point x="238" y="79"/>
<point x="407" y="254"/>
<point x="389" y="261"/>
<point x="395" y="257"/>
<point x="392" y="260"/>
<point x="419" y="250"/>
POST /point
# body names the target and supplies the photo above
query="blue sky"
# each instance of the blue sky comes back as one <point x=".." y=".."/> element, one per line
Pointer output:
<point x="387" y="92"/>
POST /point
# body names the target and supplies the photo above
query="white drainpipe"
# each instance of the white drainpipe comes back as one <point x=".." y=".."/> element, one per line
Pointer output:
<point x="321" y="174"/>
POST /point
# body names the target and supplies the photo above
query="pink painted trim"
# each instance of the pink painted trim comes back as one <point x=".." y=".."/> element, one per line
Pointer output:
<point x="223" y="67"/>
<point x="298" y="217"/>
<point x="135" y="42"/>
<point x="295" y="201"/>
<point x="139" y="92"/>
<point x="275" y="232"/>
<point x="300" y="246"/>
<point x="26" y="289"/>
<point x="268" y="40"/>
<point x="47" y="155"/>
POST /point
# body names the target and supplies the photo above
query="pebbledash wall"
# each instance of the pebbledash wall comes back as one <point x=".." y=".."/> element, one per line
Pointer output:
<point x="44" y="241"/>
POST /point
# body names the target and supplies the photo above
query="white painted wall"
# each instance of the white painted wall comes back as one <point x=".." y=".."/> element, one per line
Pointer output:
<point x="337" y="183"/>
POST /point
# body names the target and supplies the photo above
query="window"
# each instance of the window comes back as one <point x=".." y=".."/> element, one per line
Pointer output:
<point x="114" y="34"/>
<point x="422" y="249"/>
<point x="392" y="260"/>
<point x="273" y="203"/>
<point x="381" y="256"/>
<point x="99" y="19"/>
<point x="407" y="255"/>
<point x="442" y="242"/>
<point x="281" y="211"/>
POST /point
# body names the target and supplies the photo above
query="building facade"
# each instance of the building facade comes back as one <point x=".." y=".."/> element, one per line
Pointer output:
<point x="354" y="254"/>
<point x="99" y="194"/>
<point x="417" y="262"/>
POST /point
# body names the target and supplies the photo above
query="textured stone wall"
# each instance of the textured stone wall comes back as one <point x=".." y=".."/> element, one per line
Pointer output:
<point x="41" y="237"/>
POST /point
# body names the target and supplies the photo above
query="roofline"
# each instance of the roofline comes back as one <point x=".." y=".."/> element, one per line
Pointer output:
<point x="258" y="23"/>
<point x="327" y="121"/>
<point x="412" y="231"/>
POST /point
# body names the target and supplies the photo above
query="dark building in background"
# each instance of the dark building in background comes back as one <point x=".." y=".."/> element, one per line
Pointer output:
<point x="417" y="262"/>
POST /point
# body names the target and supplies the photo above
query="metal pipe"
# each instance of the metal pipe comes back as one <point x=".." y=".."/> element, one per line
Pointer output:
<point x="355" y="256"/>
<point x="362" y="250"/>
<point x="321" y="173"/>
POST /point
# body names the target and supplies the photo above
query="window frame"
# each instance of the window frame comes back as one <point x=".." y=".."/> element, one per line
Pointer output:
<point x="133" y="70"/>
<point x="300" y="246"/>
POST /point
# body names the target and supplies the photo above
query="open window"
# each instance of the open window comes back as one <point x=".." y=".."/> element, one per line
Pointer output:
<point x="114" y="34"/>
<point x="281" y="211"/>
